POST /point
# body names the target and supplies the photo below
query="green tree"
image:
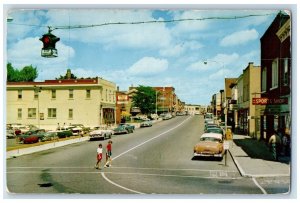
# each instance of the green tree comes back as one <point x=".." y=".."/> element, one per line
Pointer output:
<point x="26" y="74"/>
<point x="145" y="99"/>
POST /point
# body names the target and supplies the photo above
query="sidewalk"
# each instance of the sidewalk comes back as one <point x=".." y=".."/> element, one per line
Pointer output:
<point x="253" y="158"/>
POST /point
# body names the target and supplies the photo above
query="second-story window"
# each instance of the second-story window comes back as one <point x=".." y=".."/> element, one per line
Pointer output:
<point x="88" y="94"/>
<point x="36" y="94"/>
<point x="71" y="94"/>
<point x="264" y="79"/>
<point x="53" y="94"/>
<point x="19" y="94"/>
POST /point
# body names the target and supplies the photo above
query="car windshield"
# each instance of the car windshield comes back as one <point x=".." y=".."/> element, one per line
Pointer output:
<point x="210" y="139"/>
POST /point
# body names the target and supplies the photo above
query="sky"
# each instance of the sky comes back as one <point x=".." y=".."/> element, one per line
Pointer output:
<point x="152" y="54"/>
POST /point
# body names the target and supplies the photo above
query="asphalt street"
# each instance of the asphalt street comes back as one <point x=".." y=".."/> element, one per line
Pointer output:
<point x="153" y="160"/>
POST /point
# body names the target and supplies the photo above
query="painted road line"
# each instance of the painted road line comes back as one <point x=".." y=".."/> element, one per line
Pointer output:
<point x="120" y="186"/>
<point x="259" y="186"/>
<point x="157" y="136"/>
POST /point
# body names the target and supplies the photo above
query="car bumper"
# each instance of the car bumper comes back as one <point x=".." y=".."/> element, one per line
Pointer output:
<point x="207" y="155"/>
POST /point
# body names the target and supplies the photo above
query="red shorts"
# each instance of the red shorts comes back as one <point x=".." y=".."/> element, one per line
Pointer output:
<point x="99" y="157"/>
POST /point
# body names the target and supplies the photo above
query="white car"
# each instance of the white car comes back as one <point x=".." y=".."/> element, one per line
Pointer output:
<point x="101" y="133"/>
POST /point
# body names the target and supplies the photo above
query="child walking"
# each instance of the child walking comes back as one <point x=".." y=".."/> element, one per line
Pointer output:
<point x="108" y="154"/>
<point x="99" y="157"/>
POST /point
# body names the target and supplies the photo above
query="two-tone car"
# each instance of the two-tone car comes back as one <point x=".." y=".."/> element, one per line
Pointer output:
<point x="145" y="124"/>
<point x="210" y="145"/>
<point x="101" y="133"/>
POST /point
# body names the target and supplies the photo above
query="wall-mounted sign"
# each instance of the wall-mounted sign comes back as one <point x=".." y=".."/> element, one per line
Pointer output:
<point x="269" y="101"/>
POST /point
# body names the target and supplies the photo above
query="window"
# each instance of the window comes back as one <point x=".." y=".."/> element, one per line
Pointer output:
<point x="51" y="113"/>
<point x="36" y="94"/>
<point x="106" y="95"/>
<point x="264" y="79"/>
<point x="70" y="113"/>
<point x="53" y="94"/>
<point x="19" y="113"/>
<point x="275" y="73"/>
<point x="19" y="94"/>
<point x="286" y="71"/>
<point x="88" y="94"/>
<point x="71" y="94"/>
<point x="31" y="112"/>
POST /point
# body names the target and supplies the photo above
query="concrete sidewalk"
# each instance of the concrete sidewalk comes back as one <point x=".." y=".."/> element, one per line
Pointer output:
<point x="253" y="158"/>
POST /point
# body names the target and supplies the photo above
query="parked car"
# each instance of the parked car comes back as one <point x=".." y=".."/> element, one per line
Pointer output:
<point x="10" y="133"/>
<point x="215" y="130"/>
<point x="31" y="136"/>
<point x="128" y="126"/>
<point x="101" y="133"/>
<point x="210" y="145"/>
<point x="210" y="125"/>
<point x="166" y="116"/>
<point x="50" y="135"/>
<point x="84" y="129"/>
<point x="122" y="130"/>
<point x="76" y="130"/>
<point x="145" y="124"/>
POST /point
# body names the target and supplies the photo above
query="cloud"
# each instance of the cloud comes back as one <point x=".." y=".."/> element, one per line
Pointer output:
<point x="220" y="61"/>
<point x="239" y="38"/>
<point x="154" y="35"/>
<point x="179" y="49"/>
<point x="28" y="52"/>
<point x="148" y="66"/>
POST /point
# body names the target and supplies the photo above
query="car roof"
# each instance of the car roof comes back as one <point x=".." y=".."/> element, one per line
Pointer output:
<point x="215" y="135"/>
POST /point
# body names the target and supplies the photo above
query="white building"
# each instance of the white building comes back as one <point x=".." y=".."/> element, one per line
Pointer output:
<point x="53" y="103"/>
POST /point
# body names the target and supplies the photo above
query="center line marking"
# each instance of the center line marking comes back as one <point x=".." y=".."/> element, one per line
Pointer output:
<point x="157" y="136"/>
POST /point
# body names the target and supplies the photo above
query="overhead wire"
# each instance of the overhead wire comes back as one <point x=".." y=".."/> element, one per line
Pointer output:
<point x="51" y="28"/>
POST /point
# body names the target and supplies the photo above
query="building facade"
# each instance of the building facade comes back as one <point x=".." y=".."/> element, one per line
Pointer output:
<point x="276" y="77"/>
<point x="54" y="103"/>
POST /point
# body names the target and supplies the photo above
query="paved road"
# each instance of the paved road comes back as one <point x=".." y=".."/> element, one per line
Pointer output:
<point x="155" y="160"/>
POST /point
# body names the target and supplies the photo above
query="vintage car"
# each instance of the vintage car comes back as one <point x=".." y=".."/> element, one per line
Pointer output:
<point x="31" y="136"/>
<point x="122" y="130"/>
<point x="215" y="130"/>
<point x="49" y="136"/>
<point x="101" y="133"/>
<point x="146" y="124"/>
<point x="128" y="126"/>
<point x="210" y="145"/>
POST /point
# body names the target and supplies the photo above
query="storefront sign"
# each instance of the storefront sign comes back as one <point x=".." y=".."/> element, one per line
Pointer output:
<point x="269" y="101"/>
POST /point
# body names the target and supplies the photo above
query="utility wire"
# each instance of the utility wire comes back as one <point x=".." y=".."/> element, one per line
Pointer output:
<point x="51" y="28"/>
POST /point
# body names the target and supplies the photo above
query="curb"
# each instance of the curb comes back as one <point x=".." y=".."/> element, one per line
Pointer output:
<point x="29" y="150"/>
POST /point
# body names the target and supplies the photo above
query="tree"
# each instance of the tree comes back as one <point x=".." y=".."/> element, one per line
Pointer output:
<point x="26" y="74"/>
<point x="145" y="99"/>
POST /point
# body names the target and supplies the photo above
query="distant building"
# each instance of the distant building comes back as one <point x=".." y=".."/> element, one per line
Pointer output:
<point x="53" y="103"/>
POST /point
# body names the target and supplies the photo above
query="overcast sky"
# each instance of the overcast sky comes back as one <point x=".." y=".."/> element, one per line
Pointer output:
<point x="157" y="54"/>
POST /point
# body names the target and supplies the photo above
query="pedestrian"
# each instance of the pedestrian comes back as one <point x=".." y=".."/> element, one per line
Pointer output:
<point x="274" y="143"/>
<point x="99" y="157"/>
<point x="286" y="145"/>
<point x="108" y="154"/>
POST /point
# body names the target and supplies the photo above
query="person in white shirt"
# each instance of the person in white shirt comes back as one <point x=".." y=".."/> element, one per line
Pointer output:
<point x="99" y="157"/>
